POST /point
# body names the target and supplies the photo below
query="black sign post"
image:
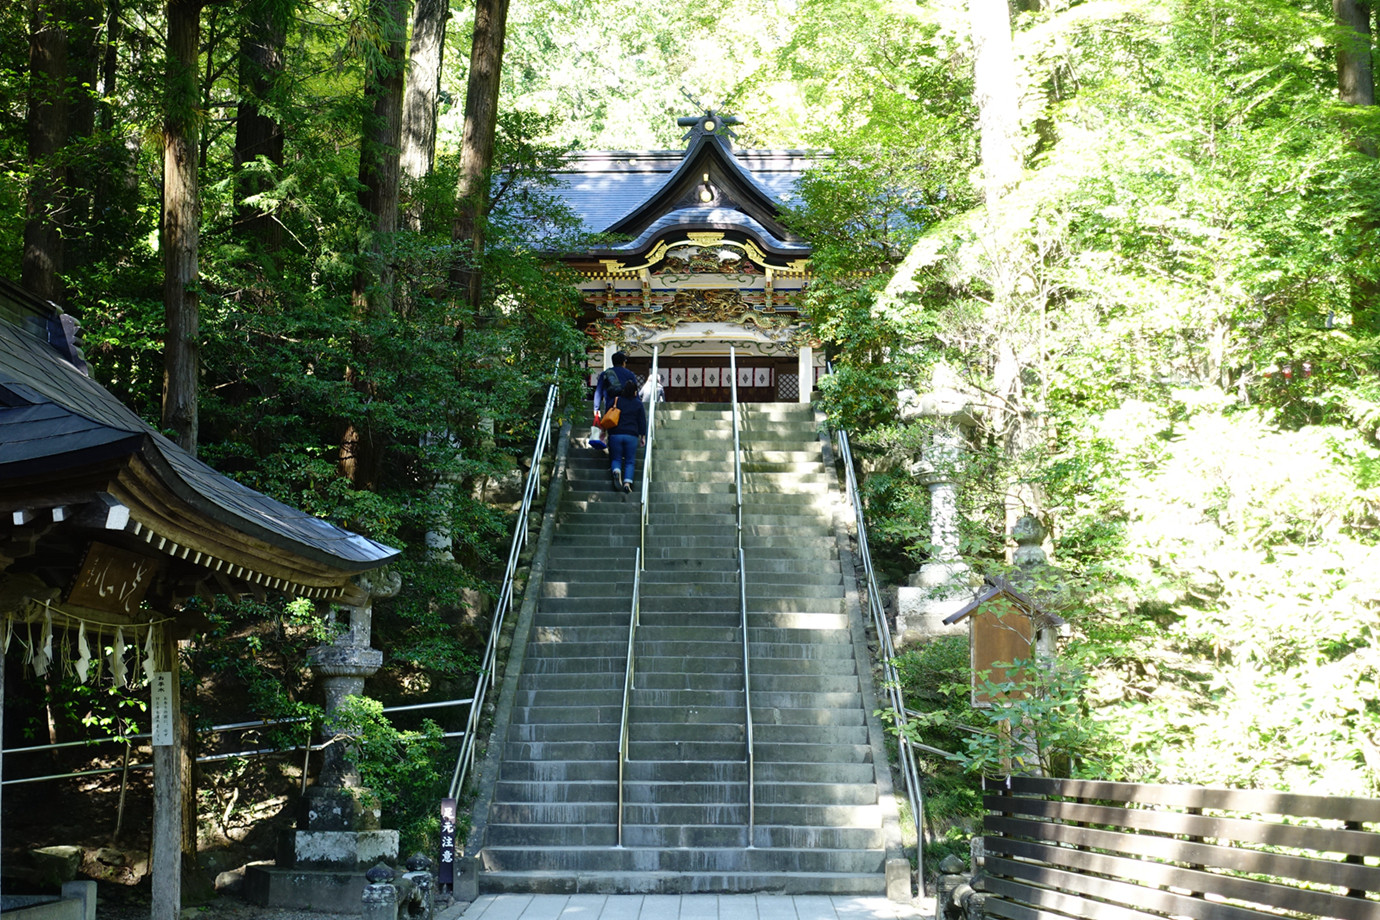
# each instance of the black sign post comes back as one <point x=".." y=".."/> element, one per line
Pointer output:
<point x="445" y="872"/>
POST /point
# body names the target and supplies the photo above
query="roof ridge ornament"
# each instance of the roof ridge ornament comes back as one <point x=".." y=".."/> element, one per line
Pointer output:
<point x="711" y="123"/>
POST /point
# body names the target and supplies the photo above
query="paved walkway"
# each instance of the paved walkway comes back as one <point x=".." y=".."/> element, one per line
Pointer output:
<point x="692" y="907"/>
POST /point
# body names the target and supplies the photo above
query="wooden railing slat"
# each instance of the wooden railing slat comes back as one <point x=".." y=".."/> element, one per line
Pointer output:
<point x="1031" y="903"/>
<point x="1172" y="849"/>
<point x="1159" y="875"/>
<point x="1047" y="878"/>
<point x="1258" y="801"/>
<point x="1325" y="840"/>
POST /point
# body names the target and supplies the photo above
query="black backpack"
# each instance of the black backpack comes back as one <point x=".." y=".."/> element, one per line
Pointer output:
<point x="613" y="385"/>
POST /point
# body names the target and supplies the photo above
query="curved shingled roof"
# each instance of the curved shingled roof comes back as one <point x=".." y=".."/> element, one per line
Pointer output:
<point x="639" y="194"/>
<point x="54" y="417"/>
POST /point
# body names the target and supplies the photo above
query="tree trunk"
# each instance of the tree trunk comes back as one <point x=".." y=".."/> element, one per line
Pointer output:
<point x="256" y="134"/>
<point x="1355" y="75"/>
<point x="423" y="88"/>
<point x="181" y="225"/>
<point x="84" y="60"/>
<point x="477" y="150"/>
<point x="994" y="91"/>
<point x="42" y="266"/>
<point x="378" y="154"/>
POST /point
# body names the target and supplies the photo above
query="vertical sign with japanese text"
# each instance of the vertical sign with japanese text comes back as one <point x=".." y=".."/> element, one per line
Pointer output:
<point x="445" y="867"/>
<point x="161" y="701"/>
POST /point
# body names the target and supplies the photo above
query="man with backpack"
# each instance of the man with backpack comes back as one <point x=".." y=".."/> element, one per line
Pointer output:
<point x="610" y="386"/>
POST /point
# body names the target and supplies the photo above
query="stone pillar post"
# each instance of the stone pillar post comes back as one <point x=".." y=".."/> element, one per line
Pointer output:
<point x="806" y="366"/>
<point x="338" y="823"/>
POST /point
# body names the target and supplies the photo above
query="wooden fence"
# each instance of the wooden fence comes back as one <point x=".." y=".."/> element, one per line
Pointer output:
<point x="1093" y="850"/>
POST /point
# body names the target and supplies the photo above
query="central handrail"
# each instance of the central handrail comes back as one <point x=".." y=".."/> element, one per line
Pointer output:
<point x="749" y="754"/>
<point x="654" y="385"/>
<point x="629" y="680"/>
<point x="891" y="681"/>
<point x="639" y="563"/>
<point x="487" y="664"/>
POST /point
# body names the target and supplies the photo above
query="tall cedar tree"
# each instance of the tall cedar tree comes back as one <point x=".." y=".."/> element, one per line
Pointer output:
<point x="423" y="88"/>
<point x="477" y="150"/>
<point x="258" y="134"/>
<point x="42" y="259"/>
<point x="181" y="224"/>
<point x="378" y="153"/>
<point x="1355" y="75"/>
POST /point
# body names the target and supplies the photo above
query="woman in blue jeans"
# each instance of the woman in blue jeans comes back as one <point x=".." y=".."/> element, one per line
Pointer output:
<point x="627" y="436"/>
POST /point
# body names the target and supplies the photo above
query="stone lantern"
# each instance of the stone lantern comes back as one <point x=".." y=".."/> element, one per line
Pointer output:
<point x="943" y="584"/>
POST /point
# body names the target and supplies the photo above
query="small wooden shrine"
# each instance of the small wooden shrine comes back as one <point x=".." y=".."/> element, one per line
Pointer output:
<point x="107" y="528"/>
<point x="704" y="263"/>
<point x="1008" y="633"/>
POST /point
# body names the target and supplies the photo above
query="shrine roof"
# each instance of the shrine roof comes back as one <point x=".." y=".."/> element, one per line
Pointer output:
<point x="53" y="417"/>
<point x="634" y="194"/>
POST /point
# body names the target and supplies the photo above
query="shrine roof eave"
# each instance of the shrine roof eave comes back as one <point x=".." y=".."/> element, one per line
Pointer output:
<point x="679" y="225"/>
<point x="53" y="418"/>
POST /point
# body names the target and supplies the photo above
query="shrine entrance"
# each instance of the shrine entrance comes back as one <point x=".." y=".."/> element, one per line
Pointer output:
<point x="706" y="378"/>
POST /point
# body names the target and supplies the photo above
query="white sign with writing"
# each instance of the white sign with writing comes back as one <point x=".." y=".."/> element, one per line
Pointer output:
<point x="161" y="694"/>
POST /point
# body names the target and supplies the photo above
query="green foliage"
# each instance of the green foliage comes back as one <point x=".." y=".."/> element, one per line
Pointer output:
<point x="398" y="767"/>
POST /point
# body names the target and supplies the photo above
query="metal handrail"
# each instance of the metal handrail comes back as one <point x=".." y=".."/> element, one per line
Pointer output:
<point x="487" y="665"/>
<point x="647" y="454"/>
<point x="749" y="754"/>
<point x="629" y="681"/>
<point x="630" y="668"/>
<point x="891" y="681"/>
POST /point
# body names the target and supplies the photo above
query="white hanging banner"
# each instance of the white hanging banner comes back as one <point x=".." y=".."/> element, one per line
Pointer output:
<point x="83" y="653"/>
<point x="161" y="702"/>
<point x="761" y="376"/>
<point x="744" y="376"/>
<point x="677" y="376"/>
<point x="711" y="376"/>
<point x="664" y="375"/>
<point x="695" y="377"/>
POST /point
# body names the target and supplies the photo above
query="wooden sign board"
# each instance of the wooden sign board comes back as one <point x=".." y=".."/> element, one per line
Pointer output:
<point x="111" y="579"/>
<point x="1002" y="631"/>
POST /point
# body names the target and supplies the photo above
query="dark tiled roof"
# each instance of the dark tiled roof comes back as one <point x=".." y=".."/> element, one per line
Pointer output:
<point x="603" y="187"/>
<point x="53" y="416"/>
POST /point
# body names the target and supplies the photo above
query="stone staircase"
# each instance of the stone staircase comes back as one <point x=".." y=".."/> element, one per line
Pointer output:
<point x="821" y="825"/>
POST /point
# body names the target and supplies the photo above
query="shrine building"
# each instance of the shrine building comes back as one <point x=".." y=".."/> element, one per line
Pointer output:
<point x="700" y="261"/>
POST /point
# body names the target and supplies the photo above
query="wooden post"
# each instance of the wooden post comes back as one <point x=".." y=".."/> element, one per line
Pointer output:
<point x="167" y="797"/>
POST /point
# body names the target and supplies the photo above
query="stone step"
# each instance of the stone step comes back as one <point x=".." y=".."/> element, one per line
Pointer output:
<point x="787" y="773"/>
<point x="642" y="712"/>
<point x="541" y="660"/>
<point x="679" y="751"/>
<point x="649" y="665"/>
<point x="560" y="771"/>
<point x="724" y="772"/>
<point x="562" y="750"/>
<point x="609" y="714"/>
<point x="513" y="790"/>
<point x="610" y="681"/>
<point x="696" y="736"/>
<point x="755" y="619"/>
<point x="713" y="459"/>
<point x="593" y="882"/>
<point x="692" y="858"/>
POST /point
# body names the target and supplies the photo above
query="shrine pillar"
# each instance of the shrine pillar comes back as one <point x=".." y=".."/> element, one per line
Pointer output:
<point x="806" y="369"/>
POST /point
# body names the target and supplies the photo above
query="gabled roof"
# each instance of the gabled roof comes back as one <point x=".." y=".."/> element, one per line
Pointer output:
<point x="995" y="588"/>
<point x="65" y="438"/>
<point x="639" y="194"/>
